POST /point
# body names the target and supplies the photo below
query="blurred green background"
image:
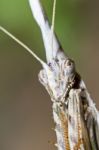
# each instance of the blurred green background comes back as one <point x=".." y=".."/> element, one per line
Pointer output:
<point x="25" y="107"/>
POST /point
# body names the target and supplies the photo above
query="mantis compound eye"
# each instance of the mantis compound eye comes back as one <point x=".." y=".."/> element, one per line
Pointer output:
<point x="69" y="62"/>
<point x="69" y="67"/>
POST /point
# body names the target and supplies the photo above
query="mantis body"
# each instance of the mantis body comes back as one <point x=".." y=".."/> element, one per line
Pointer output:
<point x="74" y="113"/>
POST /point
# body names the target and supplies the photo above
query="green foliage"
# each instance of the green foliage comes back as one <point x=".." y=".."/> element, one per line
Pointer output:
<point x="17" y="18"/>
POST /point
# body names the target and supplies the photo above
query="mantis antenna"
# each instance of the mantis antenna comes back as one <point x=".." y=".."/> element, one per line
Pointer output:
<point x="53" y="21"/>
<point x="22" y="44"/>
<point x="53" y="15"/>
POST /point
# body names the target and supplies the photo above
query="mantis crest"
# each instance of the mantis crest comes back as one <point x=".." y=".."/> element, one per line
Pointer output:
<point x="74" y="113"/>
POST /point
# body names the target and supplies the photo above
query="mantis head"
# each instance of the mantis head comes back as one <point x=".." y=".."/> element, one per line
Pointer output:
<point x="58" y="73"/>
<point x="58" y="77"/>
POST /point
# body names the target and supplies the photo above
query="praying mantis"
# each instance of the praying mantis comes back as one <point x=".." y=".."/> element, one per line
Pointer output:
<point x="74" y="112"/>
